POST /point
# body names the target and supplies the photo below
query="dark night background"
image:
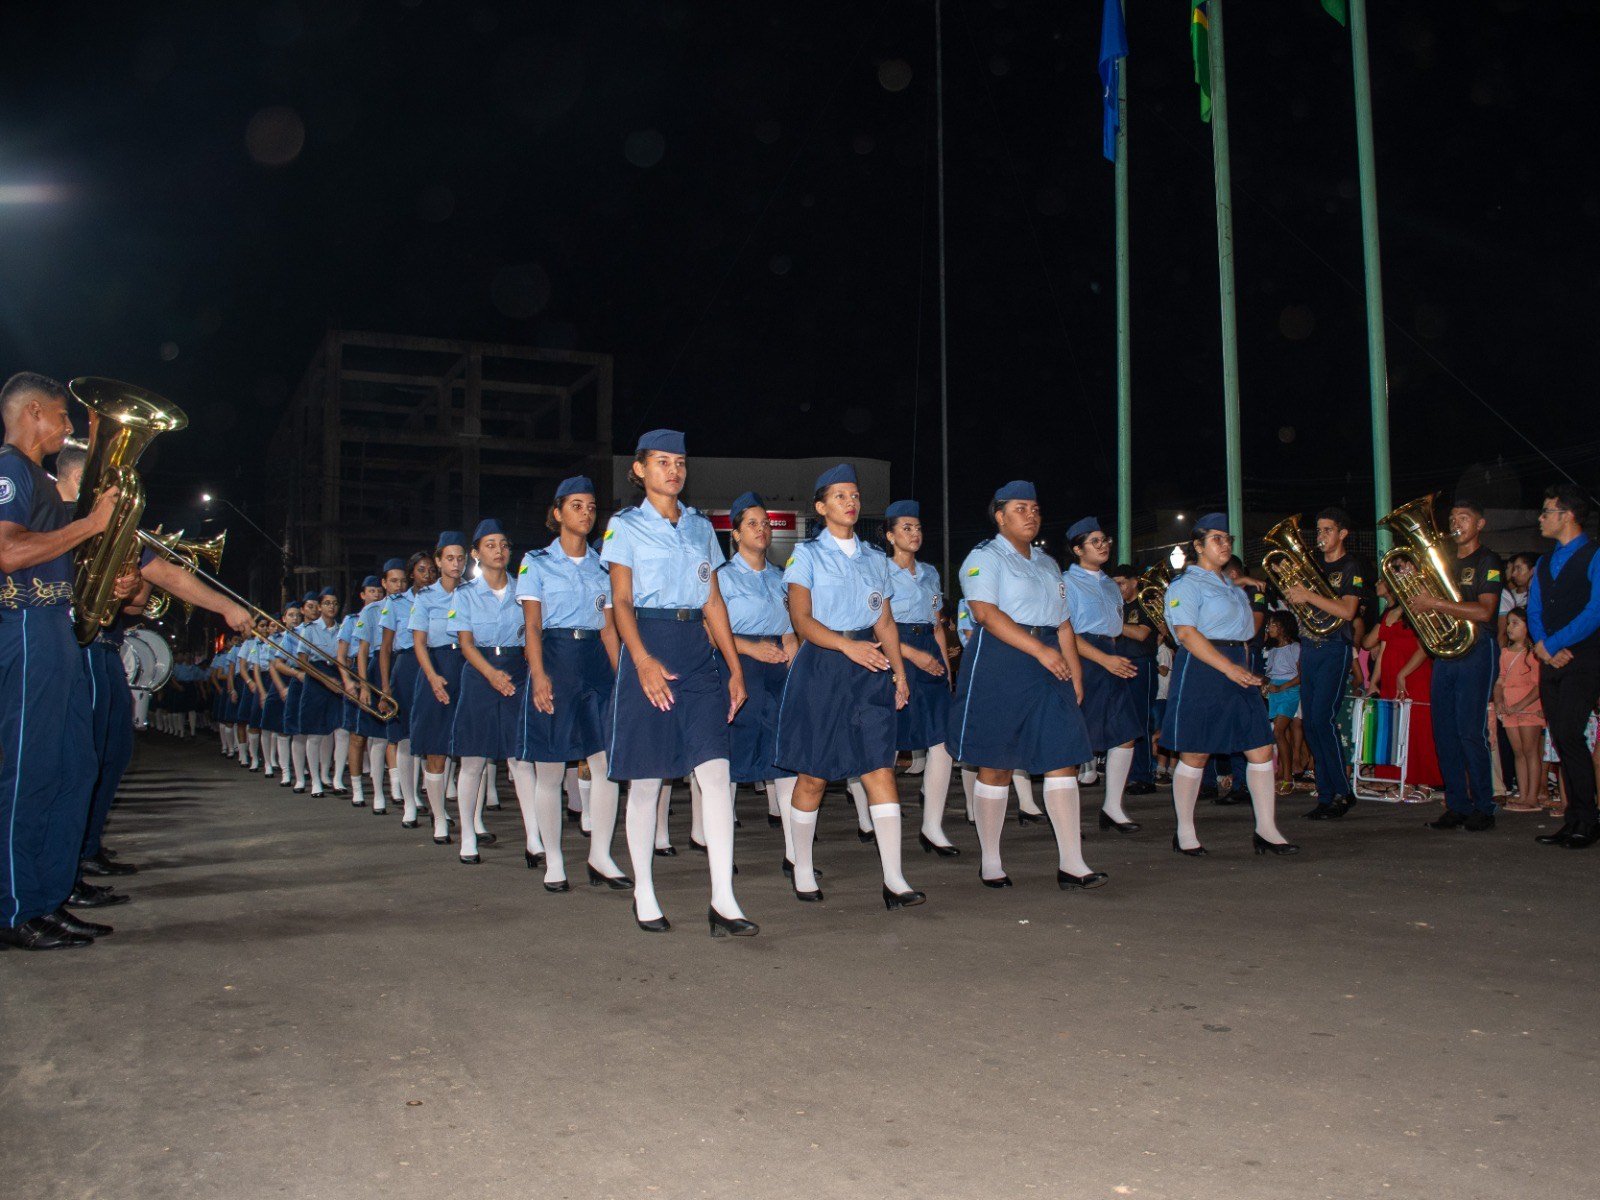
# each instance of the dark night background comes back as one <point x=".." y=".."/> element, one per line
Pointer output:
<point x="737" y="200"/>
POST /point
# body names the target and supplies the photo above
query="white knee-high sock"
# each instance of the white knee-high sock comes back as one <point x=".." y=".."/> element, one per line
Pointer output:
<point x="452" y="771"/>
<point x="919" y="762"/>
<point x="469" y="799"/>
<point x="405" y="767"/>
<point x="1119" y="761"/>
<point x="804" y="826"/>
<point x="716" y="815"/>
<point x="314" y="745"/>
<point x="538" y="790"/>
<point x="491" y="786"/>
<point x="253" y="738"/>
<point x="859" y="795"/>
<point x="394" y="784"/>
<point x="585" y="798"/>
<point x="341" y="756"/>
<point x="774" y="811"/>
<point x="1264" y="798"/>
<point x="644" y="798"/>
<point x="935" y="787"/>
<point x="569" y="782"/>
<point x="697" y="830"/>
<point x="969" y="780"/>
<point x="1185" y="795"/>
<point x="663" y="811"/>
<point x="281" y="740"/>
<point x="329" y="742"/>
<point x="375" y="768"/>
<point x="781" y="793"/>
<point x="297" y="752"/>
<point x="886" y="825"/>
<point x="227" y="739"/>
<point x="602" y="816"/>
<point x="437" y="802"/>
<point x="1061" y="802"/>
<point x="1023" y="782"/>
<point x="989" y="806"/>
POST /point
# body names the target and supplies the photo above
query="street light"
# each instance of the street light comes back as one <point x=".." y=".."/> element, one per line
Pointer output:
<point x="209" y="498"/>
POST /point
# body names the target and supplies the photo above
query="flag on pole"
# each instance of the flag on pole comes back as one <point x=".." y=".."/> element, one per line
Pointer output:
<point x="1113" y="49"/>
<point x="1199" y="29"/>
<point x="1339" y="10"/>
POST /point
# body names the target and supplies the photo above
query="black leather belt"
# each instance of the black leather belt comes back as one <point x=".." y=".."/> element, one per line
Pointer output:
<point x="501" y="651"/>
<point x="1226" y="642"/>
<point x="858" y="635"/>
<point x="775" y="638"/>
<point x="581" y="635"/>
<point x="1040" y="631"/>
<point x="913" y="630"/>
<point x="669" y="614"/>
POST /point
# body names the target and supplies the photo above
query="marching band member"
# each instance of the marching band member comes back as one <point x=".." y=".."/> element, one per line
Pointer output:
<point x="1215" y="702"/>
<point x="1018" y="700"/>
<point x="438" y="684"/>
<point x="838" y="714"/>
<point x="670" y="709"/>
<point x="570" y="642"/>
<point x="370" y="672"/>
<point x="396" y="648"/>
<point x="350" y="751"/>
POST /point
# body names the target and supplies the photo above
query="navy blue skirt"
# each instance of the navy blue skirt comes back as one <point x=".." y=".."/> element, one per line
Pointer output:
<point x="580" y="683"/>
<point x="642" y="742"/>
<point x="403" y="675"/>
<point x="1011" y="714"/>
<point x="233" y="710"/>
<point x="272" y="711"/>
<point x="487" y="724"/>
<point x="1110" y="704"/>
<point x="319" y="709"/>
<point x="836" y="719"/>
<point x="925" y="719"/>
<point x="251" y="710"/>
<point x="430" y="720"/>
<point x="754" y="732"/>
<point x="1208" y="713"/>
<point x="291" y="708"/>
<point x="368" y="725"/>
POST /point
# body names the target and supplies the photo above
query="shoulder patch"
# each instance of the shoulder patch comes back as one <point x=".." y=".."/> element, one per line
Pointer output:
<point x="451" y="613"/>
<point x="790" y="561"/>
<point x="1173" y="603"/>
<point x="1494" y="576"/>
<point x="1357" y="581"/>
<point x="974" y="572"/>
<point x="610" y="533"/>
<point x="523" y="569"/>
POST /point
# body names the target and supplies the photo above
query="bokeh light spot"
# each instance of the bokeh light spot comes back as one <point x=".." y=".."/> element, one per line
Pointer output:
<point x="894" y="74"/>
<point x="275" y="136"/>
<point x="644" y="148"/>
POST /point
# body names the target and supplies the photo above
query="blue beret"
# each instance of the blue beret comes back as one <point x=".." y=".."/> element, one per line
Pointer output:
<point x="371" y="581"/>
<point x="485" y="527"/>
<point x="1212" y="522"/>
<point x="328" y="591"/>
<point x="747" y="500"/>
<point x="394" y="564"/>
<point x="449" y="537"/>
<point x="843" y="473"/>
<point x="668" y="441"/>
<point x="1078" y="528"/>
<point x="903" y="508"/>
<point x="308" y="598"/>
<point x="578" y="485"/>
<point x="1017" y="489"/>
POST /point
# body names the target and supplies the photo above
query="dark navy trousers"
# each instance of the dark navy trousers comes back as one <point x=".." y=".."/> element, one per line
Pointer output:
<point x="112" y="721"/>
<point x="1462" y="688"/>
<point x="47" y="760"/>
<point x="1144" y="690"/>
<point x="1324" y="678"/>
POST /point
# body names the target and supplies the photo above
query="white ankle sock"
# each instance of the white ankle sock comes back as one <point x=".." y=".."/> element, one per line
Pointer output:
<point x="602" y="815"/>
<point x="1061" y="802"/>
<point x="716" y="816"/>
<point x="859" y="795"/>
<point x="989" y="806"/>
<point x="886" y="825"/>
<point x="356" y="797"/>
<point x="935" y="788"/>
<point x="1185" y="795"/>
<point x="1264" y="797"/>
<point x="804" y="827"/>
<point x="644" y="798"/>
<point x="1119" y="761"/>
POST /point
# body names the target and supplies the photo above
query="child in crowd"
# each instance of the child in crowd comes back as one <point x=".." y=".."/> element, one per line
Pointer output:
<point x="1516" y="704"/>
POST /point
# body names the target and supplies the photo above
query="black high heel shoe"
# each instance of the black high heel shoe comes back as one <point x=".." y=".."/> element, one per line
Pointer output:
<point x="617" y="883"/>
<point x="535" y="861"/>
<point x="1109" y="822"/>
<point x="488" y="839"/>
<point x="867" y="836"/>
<point x="788" y="870"/>
<point x="929" y="846"/>
<point x="1093" y="879"/>
<point x="1003" y="882"/>
<point x="1265" y="847"/>
<point x="812" y="897"/>
<point x="659" y="925"/>
<point x="722" y="926"/>
<point x="1027" y="818"/>
<point x="471" y="860"/>
<point x="666" y="852"/>
<point x="697" y="847"/>
<point x="408" y="824"/>
<point x="1197" y="852"/>
<point x="894" y="900"/>
<point x="443" y="841"/>
<point x="563" y="886"/>
<point x="774" y="822"/>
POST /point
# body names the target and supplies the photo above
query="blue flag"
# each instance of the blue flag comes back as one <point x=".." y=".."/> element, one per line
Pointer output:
<point x="1113" y="48"/>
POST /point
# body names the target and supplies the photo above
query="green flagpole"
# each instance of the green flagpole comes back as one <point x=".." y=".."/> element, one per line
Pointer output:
<point x="1124" y="334"/>
<point x="1230" y="333"/>
<point x="1377" y="354"/>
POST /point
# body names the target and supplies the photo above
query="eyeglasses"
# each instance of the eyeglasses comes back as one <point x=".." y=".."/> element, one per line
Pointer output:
<point x="1097" y="541"/>
<point x="1552" y="512"/>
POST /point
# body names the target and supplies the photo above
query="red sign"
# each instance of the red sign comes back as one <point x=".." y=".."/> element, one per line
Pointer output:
<point x="780" y="520"/>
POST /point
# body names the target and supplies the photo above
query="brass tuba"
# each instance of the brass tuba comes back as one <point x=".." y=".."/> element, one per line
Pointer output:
<point x="123" y="420"/>
<point x="1288" y="562"/>
<point x="1421" y="563"/>
<point x="1152" y="597"/>
<point x="189" y="556"/>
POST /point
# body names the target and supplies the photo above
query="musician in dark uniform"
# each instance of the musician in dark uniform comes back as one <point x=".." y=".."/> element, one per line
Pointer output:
<point x="1464" y="686"/>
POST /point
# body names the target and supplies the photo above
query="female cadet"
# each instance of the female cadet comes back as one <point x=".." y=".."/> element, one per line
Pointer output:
<point x="298" y="679"/>
<point x="319" y="707"/>
<point x="1110" y="701"/>
<point x="255" y="691"/>
<point x="484" y="619"/>
<point x="1017" y="704"/>
<point x="397" y="663"/>
<point x="758" y="615"/>
<point x="670" y="709"/>
<point x="439" y="664"/>
<point x="274" y="717"/>
<point x="328" y="605"/>
<point x="348" y="748"/>
<point x="916" y="597"/>
<point x="570" y="642"/>
<point x="837" y="717"/>
<point x="1214" y="700"/>
<point x="374" y="734"/>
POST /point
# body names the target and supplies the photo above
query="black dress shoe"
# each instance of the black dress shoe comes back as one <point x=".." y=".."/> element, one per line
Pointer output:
<point x="443" y="841"/>
<point x="471" y="860"/>
<point x="1324" y="812"/>
<point x="658" y="925"/>
<point x="1208" y="792"/>
<point x="1093" y="879"/>
<point x="666" y="852"/>
<point x="341" y="791"/>
<point x="1197" y="852"/>
<point x="1583" y="838"/>
<point x="88" y="896"/>
<point x="75" y="926"/>
<point x="1449" y="819"/>
<point x="774" y="822"/>
<point x="867" y="837"/>
<point x="534" y="861"/>
<point x="697" y="847"/>
<point x="1003" y="881"/>
<point x="358" y="804"/>
<point x="1107" y="821"/>
<point x="929" y="846"/>
<point x="1262" y="846"/>
<point x="99" y="864"/>
<point x="617" y="883"/>
<point x="788" y="870"/>
<point x="1479" y="822"/>
<point x="408" y="824"/>
<point x="299" y="789"/>
<point x="487" y="839"/>
<point x="909" y="899"/>
<point x="563" y="886"/>
<point x="41" y="933"/>
<point x="380" y="812"/>
<point x="1027" y="818"/>
<point x="1344" y="804"/>
<point x="814" y="896"/>
<point x="1559" y="837"/>
<point x="107" y="852"/>
<point x="1138" y="789"/>
<point x="722" y="926"/>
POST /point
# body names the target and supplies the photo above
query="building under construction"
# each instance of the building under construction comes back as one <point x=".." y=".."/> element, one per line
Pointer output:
<point x="390" y="439"/>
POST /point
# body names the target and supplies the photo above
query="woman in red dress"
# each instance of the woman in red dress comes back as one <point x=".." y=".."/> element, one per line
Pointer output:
<point x="1402" y="670"/>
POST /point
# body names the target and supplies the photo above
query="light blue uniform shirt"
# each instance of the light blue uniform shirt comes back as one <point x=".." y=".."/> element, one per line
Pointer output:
<point x="324" y="637"/>
<point x="964" y="626"/>
<point x="396" y="615"/>
<point x="671" y="564"/>
<point x="428" y="615"/>
<point x="915" y="598"/>
<point x="494" y="623"/>
<point x="369" y="627"/>
<point x="570" y="595"/>
<point x="1094" y="600"/>
<point x="847" y="590"/>
<point x="1206" y="601"/>
<point x="757" y="602"/>
<point x="347" y="631"/>
<point x="1030" y="590"/>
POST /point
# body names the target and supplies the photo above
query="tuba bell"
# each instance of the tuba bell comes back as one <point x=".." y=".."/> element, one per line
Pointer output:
<point x="1421" y="564"/>
<point x="189" y="556"/>
<point x="1151" y="597"/>
<point x="1288" y="562"/>
<point x="123" y="420"/>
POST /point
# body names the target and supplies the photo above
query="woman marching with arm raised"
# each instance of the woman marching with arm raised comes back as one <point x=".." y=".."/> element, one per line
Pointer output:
<point x="438" y="683"/>
<point x="848" y="680"/>
<point x="670" y="709"/>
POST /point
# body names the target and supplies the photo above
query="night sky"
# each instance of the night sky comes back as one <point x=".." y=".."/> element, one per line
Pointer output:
<point x="737" y="201"/>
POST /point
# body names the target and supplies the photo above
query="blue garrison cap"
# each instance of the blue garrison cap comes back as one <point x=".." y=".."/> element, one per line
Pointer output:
<point x="328" y="591"/>
<point x="371" y="581"/>
<point x="1079" y="528"/>
<point x="747" y="500"/>
<point x="1017" y="489"/>
<point x="843" y="473"/>
<point x="903" y="508"/>
<point x="308" y="598"/>
<point x="450" y="537"/>
<point x="485" y="527"/>
<point x="668" y="441"/>
<point x="394" y="564"/>
<point x="1212" y="522"/>
<point x="578" y="485"/>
